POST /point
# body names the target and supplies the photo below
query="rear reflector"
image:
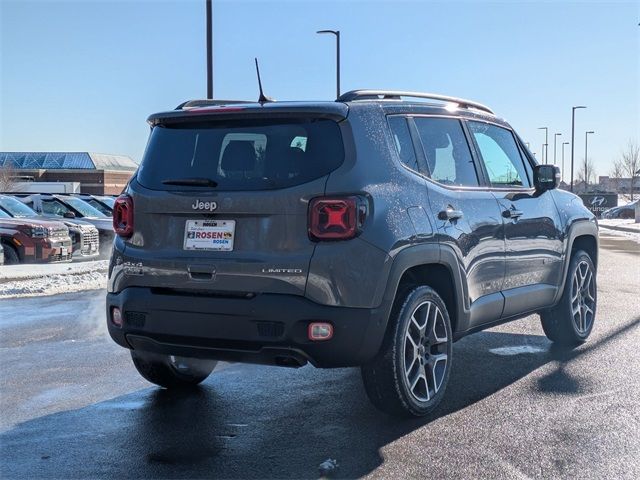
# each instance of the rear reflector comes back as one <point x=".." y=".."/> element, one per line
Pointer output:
<point x="319" y="331"/>
<point x="116" y="316"/>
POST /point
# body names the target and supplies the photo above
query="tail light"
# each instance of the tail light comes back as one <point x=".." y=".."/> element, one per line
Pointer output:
<point x="336" y="218"/>
<point x="123" y="216"/>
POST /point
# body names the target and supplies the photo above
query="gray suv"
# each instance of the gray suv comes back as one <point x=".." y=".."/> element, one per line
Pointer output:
<point x="371" y="231"/>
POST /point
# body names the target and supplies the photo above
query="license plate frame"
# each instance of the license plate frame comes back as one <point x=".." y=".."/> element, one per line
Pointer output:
<point x="209" y="235"/>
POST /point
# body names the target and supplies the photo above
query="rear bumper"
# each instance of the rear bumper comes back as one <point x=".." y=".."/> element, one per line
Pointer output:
<point x="268" y="328"/>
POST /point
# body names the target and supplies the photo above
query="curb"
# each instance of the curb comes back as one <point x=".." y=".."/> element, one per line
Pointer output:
<point x="619" y="228"/>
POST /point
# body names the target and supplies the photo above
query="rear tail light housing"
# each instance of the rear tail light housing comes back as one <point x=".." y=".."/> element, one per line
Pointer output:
<point x="123" y="216"/>
<point x="336" y="218"/>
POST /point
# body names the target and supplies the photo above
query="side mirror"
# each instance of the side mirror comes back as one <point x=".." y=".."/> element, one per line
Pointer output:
<point x="546" y="177"/>
<point x="69" y="214"/>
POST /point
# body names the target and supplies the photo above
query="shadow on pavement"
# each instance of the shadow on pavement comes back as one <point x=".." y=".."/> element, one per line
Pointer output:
<point x="261" y="422"/>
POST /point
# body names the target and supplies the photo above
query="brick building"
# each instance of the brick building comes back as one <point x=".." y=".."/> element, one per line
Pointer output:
<point x="97" y="173"/>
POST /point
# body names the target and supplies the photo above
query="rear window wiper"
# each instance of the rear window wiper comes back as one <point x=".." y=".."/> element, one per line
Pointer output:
<point x="195" y="182"/>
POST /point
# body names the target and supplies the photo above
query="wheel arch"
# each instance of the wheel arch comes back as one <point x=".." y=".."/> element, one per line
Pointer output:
<point x="433" y="265"/>
<point x="582" y="235"/>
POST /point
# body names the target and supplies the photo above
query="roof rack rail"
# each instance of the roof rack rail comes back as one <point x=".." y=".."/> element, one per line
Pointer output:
<point x="398" y="94"/>
<point x="208" y="103"/>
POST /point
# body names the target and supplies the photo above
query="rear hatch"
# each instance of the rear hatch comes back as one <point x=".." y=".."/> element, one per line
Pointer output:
<point x="221" y="197"/>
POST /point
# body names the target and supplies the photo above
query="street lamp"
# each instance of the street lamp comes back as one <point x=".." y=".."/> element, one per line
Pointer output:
<point x="573" y="140"/>
<point x="562" y="171"/>
<point x="545" y="145"/>
<point x="586" y="159"/>
<point x="209" y="50"/>
<point x="337" y="34"/>
<point x="555" y="137"/>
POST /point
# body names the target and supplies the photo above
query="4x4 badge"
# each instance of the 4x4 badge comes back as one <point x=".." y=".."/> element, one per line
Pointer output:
<point x="198" y="205"/>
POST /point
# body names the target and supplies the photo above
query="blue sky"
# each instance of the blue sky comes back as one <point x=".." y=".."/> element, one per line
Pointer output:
<point x="84" y="75"/>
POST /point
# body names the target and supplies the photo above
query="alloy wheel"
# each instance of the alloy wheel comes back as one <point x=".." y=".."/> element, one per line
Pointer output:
<point x="425" y="351"/>
<point x="583" y="298"/>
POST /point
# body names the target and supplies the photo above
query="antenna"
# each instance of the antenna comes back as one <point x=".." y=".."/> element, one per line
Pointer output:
<point x="263" y="98"/>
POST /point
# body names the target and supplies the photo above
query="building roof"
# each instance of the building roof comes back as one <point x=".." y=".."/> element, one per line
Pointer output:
<point x="66" y="161"/>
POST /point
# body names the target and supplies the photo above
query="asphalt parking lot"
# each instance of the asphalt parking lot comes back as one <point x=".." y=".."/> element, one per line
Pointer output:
<point x="72" y="405"/>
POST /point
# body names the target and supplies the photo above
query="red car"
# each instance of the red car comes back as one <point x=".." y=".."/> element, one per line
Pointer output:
<point x="34" y="241"/>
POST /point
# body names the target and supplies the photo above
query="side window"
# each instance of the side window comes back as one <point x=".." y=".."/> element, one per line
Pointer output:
<point x="500" y="155"/>
<point x="53" y="207"/>
<point x="447" y="151"/>
<point x="404" y="144"/>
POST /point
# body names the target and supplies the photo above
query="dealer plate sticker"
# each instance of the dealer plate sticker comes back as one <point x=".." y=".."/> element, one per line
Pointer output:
<point x="209" y="235"/>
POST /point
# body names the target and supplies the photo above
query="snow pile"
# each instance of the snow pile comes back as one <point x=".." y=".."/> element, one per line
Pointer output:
<point x="35" y="280"/>
<point x="620" y="227"/>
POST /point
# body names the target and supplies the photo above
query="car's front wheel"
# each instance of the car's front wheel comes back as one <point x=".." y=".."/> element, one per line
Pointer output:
<point x="571" y="321"/>
<point x="169" y="371"/>
<point x="409" y="375"/>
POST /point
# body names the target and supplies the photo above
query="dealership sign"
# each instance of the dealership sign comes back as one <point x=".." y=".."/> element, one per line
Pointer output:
<point x="599" y="202"/>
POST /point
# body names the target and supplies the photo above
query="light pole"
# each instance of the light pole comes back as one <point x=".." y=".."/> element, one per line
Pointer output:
<point x="562" y="171"/>
<point x="209" y="50"/>
<point x="573" y="139"/>
<point x="586" y="159"/>
<point x="545" y="145"/>
<point x="337" y="34"/>
<point x="555" y="138"/>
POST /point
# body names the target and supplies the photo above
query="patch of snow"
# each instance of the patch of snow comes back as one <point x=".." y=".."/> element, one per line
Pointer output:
<point x="620" y="228"/>
<point x="51" y="279"/>
<point x="520" y="349"/>
<point x="328" y="467"/>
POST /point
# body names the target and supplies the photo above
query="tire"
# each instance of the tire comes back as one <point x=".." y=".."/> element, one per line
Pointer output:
<point x="409" y="375"/>
<point x="571" y="321"/>
<point x="172" y="372"/>
<point x="10" y="255"/>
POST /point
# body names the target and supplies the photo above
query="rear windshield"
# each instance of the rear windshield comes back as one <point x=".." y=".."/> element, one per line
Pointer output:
<point x="240" y="155"/>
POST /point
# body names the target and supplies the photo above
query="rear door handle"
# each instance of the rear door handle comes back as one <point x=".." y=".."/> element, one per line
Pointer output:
<point x="512" y="213"/>
<point x="450" y="213"/>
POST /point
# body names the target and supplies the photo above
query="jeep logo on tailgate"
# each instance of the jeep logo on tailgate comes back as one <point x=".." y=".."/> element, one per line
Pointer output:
<point x="198" y="205"/>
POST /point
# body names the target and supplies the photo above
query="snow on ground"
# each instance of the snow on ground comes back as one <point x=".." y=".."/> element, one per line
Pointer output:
<point x="621" y="227"/>
<point x="50" y="279"/>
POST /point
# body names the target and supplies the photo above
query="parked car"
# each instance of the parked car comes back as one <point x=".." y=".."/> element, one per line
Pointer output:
<point x="84" y="236"/>
<point x="371" y="231"/>
<point x="33" y="241"/>
<point x="67" y="206"/>
<point x="622" y="211"/>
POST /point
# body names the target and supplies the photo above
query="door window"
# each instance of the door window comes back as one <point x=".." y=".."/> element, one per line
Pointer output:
<point x="54" y="207"/>
<point x="500" y="155"/>
<point x="447" y="151"/>
<point x="404" y="145"/>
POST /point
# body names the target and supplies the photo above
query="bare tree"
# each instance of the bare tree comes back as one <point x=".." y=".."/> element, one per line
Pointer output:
<point x="7" y="178"/>
<point x="630" y="159"/>
<point x="617" y="172"/>
<point x="586" y="172"/>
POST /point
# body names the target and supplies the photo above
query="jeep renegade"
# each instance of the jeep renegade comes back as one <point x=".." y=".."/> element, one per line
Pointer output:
<point x="370" y="231"/>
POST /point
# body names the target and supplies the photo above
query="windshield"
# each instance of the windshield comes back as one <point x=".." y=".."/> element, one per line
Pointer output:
<point x="241" y="154"/>
<point x="99" y="206"/>
<point x="15" y="208"/>
<point x="108" y="201"/>
<point x="84" y="208"/>
<point x="4" y="214"/>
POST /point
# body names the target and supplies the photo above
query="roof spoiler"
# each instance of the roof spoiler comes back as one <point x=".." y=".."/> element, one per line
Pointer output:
<point x="208" y="103"/>
<point x="355" y="95"/>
